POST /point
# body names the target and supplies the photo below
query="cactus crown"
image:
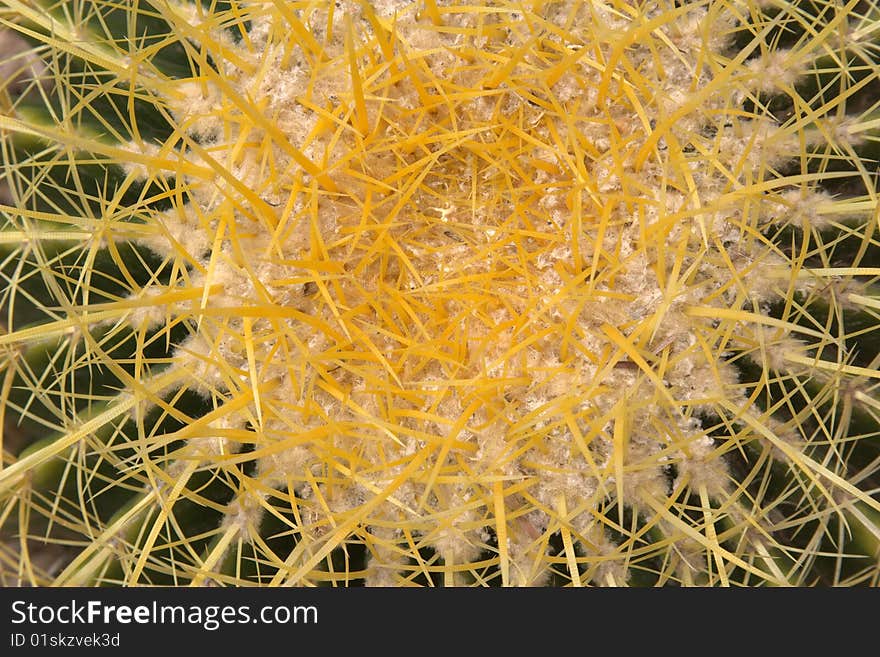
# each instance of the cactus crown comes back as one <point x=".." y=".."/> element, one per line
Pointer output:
<point x="441" y="293"/>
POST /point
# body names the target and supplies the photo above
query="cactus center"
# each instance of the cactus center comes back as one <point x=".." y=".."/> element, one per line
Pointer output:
<point x="450" y="270"/>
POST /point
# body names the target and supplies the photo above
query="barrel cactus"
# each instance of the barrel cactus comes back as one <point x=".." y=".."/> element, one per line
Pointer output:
<point x="432" y="293"/>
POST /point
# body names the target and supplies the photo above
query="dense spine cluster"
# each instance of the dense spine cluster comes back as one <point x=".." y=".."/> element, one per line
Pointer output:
<point x="438" y="293"/>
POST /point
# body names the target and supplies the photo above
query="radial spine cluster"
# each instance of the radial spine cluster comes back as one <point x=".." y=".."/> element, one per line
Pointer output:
<point x="497" y="293"/>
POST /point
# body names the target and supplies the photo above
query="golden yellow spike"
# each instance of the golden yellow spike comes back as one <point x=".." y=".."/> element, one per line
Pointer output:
<point x="362" y="122"/>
